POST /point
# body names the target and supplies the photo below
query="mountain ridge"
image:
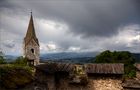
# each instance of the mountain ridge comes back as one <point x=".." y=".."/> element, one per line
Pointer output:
<point x="67" y="56"/>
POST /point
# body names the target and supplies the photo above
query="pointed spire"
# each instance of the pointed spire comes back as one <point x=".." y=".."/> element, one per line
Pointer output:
<point x="31" y="11"/>
<point x="31" y="31"/>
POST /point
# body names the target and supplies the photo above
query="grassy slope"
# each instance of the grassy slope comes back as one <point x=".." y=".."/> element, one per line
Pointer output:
<point x="14" y="76"/>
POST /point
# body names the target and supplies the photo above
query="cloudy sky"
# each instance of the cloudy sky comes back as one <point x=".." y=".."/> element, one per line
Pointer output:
<point x="71" y="25"/>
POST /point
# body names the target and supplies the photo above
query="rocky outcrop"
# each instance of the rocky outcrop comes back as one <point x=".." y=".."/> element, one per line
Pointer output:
<point x="105" y="84"/>
<point x="22" y="79"/>
<point x="131" y="84"/>
<point x="93" y="84"/>
<point x="137" y="71"/>
<point x="66" y="76"/>
<point x="61" y="81"/>
<point x="13" y="78"/>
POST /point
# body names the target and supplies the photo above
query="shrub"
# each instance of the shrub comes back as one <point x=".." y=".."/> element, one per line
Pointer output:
<point x="2" y="60"/>
<point x="20" y="61"/>
<point x="124" y="57"/>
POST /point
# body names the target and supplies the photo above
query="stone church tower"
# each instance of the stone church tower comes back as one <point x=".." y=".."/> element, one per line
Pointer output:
<point x="31" y="44"/>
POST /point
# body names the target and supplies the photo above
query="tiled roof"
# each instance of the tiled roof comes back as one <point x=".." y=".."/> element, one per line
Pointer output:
<point x="90" y="68"/>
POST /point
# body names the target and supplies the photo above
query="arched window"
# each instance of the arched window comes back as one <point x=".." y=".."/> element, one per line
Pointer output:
<point x="32" y="50"/>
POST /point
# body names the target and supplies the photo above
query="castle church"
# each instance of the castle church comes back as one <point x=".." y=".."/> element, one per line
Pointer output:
<point x="31" y="45"/>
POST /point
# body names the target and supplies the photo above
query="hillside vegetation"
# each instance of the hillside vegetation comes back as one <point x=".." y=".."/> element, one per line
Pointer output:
<point x="118" y="57"/>
<point x="16" y="74"/>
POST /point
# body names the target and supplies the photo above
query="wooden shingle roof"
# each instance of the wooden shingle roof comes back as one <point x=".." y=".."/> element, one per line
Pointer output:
<point x="89" y="68"/>
<point x="55" y="67"/>
<point x="30" y="32"/>
<point x="105" y="68"/>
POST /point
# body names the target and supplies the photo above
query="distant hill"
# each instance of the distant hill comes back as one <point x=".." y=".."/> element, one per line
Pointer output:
<point x="67" y="55"/>
<point x="10" y="58"/>
<point x="74" y="57"/>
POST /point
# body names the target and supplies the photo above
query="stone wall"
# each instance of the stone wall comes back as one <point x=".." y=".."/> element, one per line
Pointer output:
<point x="46" y="80"/>
<point x="105" y="84"/>
<point x="138" y="75"/>
<point x="94" y="83"/>
<point x="32" y="55"/>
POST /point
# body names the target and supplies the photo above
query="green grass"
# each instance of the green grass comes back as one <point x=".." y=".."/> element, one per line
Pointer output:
<point x="13" y="75"/>
<point x="7" y="67"/>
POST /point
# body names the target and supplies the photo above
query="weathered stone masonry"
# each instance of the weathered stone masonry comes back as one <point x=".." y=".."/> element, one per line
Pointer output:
<point x="31" y="44"/>
<point x="57" y="76"/>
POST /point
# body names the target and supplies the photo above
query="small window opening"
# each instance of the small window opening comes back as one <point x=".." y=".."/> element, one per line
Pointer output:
<point x="32" y="50"/>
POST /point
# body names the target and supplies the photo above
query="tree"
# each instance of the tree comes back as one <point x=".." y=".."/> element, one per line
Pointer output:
<point x="118" y="57"/>
<point x="20" y="61"/>
<point x="2" y="59"/>
<point x="115" y="57"/>
<point x="104" y="57"/>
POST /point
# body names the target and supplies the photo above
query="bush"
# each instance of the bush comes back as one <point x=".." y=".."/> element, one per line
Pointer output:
<point x="20" y="61"/>
<point x="124" y="57"/>
<point x="12" y="76"/>
<point x="2" y="60"/>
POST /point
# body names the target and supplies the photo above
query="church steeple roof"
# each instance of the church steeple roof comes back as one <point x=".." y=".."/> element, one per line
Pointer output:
<point x="30" y="32"/>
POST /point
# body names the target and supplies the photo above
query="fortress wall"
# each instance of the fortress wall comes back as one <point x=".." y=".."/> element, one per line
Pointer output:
<point x="61" y="80"/>
<point x="93" y="84"/>
<point x="138" y="75"/>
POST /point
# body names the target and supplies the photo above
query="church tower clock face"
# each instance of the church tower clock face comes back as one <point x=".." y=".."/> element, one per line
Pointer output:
<point x="31" y="44"/>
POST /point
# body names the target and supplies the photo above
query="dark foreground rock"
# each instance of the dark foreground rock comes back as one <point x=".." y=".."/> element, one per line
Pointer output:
<point x="20" y="78"/>
<point x="14" y="78"/>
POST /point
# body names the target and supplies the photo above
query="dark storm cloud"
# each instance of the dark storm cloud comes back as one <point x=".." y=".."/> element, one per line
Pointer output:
<point x="98" y="22"/>
<point x="87" y="18"/>
<point x="3" y="3"/>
